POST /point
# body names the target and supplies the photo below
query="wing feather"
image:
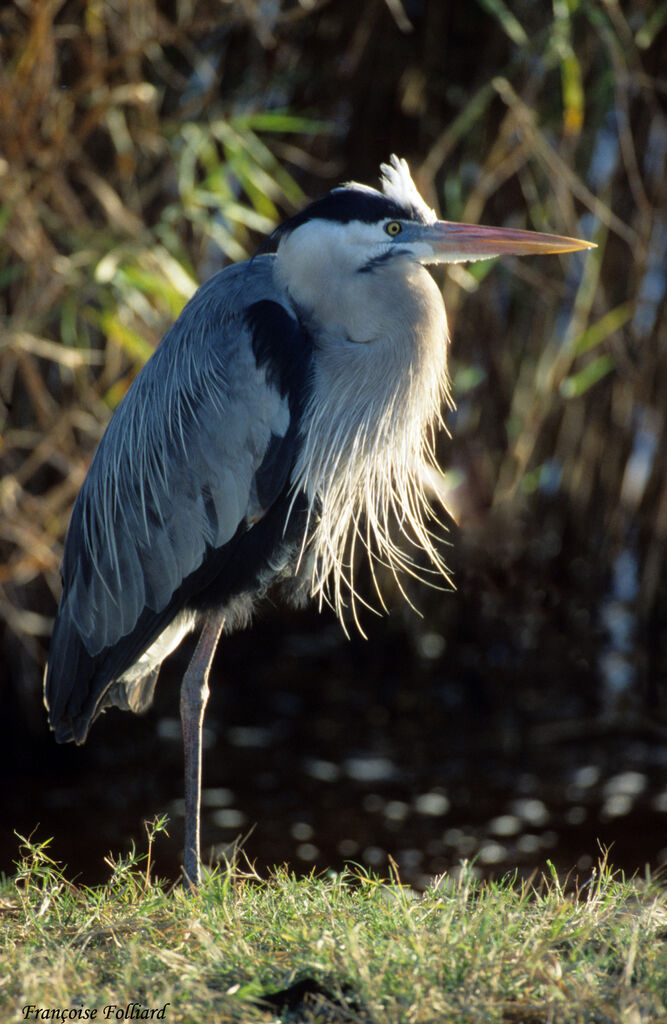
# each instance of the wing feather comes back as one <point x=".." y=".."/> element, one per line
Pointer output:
<point x="180" y="473"/>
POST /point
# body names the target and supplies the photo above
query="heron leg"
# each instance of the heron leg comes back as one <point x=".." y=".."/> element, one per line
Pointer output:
<point x="194" y="696"/>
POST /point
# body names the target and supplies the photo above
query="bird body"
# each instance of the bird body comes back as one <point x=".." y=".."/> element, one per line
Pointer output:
<point x="276" y="391"/>
<point x="172" y="516"/>
<point x="285" y="418"/>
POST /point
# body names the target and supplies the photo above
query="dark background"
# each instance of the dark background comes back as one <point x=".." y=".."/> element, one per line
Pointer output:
<point x="522" y="717"/>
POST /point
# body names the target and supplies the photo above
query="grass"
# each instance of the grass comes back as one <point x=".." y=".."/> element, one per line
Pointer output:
<point x="347" y="947"/>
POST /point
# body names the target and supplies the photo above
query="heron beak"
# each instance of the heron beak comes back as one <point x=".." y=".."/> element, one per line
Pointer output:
<point x="456" y="243"/>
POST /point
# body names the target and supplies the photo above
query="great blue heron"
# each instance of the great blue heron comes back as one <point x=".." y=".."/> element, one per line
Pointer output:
<point x="287" y="414"/>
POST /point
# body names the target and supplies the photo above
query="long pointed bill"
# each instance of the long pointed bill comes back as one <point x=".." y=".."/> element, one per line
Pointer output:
<point x="455" y="243"/>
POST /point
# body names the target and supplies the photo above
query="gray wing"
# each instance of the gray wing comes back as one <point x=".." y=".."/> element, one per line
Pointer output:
<point x="200" y="448"/>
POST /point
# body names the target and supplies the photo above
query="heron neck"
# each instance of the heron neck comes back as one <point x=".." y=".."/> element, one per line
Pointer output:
<point x="366" y="432"/>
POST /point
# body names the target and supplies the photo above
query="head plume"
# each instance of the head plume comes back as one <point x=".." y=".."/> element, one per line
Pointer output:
<point x="398" y="186"/>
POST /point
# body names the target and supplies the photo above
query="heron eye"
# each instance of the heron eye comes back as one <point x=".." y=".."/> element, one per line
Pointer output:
<point x="393" y="227"/>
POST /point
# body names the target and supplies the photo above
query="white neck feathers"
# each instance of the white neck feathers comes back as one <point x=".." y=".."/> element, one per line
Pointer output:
<point x="367" y="432"/>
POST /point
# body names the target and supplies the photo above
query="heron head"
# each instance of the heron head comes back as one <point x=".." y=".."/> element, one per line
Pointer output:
<point x="368" y="227"/>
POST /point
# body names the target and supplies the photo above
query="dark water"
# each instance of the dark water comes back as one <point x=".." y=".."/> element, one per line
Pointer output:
<point x="428" y="746"/>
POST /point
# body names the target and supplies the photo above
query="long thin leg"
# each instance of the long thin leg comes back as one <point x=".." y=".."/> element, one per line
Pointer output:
<point x="194" y="696"/>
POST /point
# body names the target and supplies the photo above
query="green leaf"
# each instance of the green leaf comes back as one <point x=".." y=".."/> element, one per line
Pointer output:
<point x="655" y="22"/>
<point x="283" y="123"/>
<point x="513" y="28"/>
<point x="599" y="331"/>
<point x="578" y="383"/>
<point x="134" y="344"/>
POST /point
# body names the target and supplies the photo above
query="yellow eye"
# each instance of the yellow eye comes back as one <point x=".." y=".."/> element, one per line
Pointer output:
<point x="393" y="227"/>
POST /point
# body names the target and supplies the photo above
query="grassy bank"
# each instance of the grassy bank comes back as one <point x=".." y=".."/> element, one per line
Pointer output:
<point x="343" y="948"/>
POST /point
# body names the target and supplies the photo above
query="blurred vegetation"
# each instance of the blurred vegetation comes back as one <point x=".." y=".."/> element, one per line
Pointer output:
<point x="143" y="146"/>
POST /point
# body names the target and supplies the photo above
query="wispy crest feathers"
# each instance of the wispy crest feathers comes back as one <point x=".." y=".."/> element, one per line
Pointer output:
<point x="397" y="185"/>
